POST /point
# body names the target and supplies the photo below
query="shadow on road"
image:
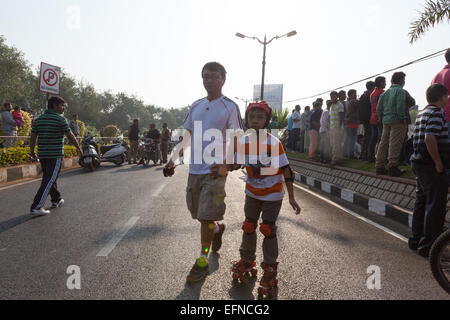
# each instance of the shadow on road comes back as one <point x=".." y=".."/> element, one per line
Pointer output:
<point x="345" y="240"/>
<point x="136" y="234"/>
<point x="14" y="222"/>
<point x="242" y="291"/>
<point x="133" y="168"/>
<point x="191" y="291"/>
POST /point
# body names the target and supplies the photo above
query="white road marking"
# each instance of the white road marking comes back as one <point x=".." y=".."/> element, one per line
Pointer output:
<point x="117" y="237"/>
<point x="388" y="231"/>
<point x="20" y="184"/>
<point x="159" y="190"/>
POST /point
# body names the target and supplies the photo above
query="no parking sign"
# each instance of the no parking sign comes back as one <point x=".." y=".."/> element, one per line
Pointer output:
<point x="50" y="79"/>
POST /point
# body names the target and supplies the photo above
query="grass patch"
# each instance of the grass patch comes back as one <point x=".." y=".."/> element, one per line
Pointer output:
<point x="355" y="164"/>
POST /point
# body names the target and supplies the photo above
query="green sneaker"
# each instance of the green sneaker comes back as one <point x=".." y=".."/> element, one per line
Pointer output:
<point x="199" y="271"/>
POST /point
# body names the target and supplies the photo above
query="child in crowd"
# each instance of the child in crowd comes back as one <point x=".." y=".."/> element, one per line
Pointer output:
<point x="18" y="117"/>
<point x="358" y="146"/>
<point x="267" y="168"/>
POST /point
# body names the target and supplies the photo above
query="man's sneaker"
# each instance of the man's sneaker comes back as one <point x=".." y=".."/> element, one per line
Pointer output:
<point x="217" y="241"/>
<point x="39" y="212"/>
<point x="58" y="204"/>
<point x="199" y="271"/>
<point x="396" y="172"/>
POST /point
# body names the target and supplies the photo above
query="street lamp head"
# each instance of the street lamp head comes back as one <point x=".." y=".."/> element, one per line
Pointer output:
<point x="240" y="35"/>
<point x="292" y="33"/>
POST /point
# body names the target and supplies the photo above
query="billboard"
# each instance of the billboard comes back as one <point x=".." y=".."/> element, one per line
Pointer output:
<point x="273" y="95"/>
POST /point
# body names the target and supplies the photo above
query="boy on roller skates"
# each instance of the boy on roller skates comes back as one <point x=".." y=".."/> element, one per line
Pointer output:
<point x="267" y="168"/>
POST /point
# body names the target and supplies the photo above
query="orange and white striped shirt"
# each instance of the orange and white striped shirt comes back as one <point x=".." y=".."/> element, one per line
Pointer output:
<point x="263" y="162"/>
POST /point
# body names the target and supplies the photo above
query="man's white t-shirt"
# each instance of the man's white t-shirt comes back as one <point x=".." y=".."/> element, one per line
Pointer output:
<point x="297" y="124"/>
<point x="220" y="114"/>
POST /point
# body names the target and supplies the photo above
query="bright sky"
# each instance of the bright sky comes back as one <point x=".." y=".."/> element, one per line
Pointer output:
<point x="155" y="49"/>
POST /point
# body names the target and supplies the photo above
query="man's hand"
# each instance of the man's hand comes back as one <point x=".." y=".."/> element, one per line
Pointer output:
<point x="439" y="168"/>
<point x="295" y="205"/>
<point x="170" y="165"/>
<point x="218" y="171"/>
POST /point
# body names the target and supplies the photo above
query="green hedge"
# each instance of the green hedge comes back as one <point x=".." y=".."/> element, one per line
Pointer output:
<point x="21" y="155"/>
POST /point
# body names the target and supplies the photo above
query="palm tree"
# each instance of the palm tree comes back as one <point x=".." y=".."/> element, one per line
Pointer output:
<point x="435" y="12"/>
<point x="283" y="117"/>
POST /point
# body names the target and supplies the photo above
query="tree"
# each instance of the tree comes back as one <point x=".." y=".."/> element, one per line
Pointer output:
<point x="435" y="12"/>
<point x="17" y="77"/>
<point x="283" y="117"/>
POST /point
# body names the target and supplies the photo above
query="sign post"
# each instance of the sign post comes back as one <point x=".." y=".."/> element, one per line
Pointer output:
<point x="50" y="79"/>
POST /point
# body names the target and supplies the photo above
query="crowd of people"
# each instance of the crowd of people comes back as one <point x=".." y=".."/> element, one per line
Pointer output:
<point x="12" y="122"/>
<point x="161" y="139"/>
<point x="373" y="128"/>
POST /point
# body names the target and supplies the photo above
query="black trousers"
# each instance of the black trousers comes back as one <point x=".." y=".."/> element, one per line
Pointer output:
<point x="50" y="170"/>
<point x="365" y="146"/>
<point x="430" y="208"/>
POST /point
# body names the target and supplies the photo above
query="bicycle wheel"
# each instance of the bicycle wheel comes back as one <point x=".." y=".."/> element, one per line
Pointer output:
<point x="440" y="260"/>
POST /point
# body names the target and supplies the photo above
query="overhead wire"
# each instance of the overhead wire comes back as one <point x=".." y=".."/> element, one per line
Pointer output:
<point x="425" y="58"/>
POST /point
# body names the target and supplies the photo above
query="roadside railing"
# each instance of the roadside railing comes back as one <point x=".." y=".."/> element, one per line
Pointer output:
<point x="16" y="141"/>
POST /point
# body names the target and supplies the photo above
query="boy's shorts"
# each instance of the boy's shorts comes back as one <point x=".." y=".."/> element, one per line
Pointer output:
<point x="205" y="197"/>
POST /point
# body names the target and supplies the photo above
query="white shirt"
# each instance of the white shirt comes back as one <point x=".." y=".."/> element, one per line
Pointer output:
<point x="220" y="114"/>
<point x="297" y="116"/>
<point x="325" y="122"/>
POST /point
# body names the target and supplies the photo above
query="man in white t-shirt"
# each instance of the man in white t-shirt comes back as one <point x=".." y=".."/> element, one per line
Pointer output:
<point x="297" y="117"/>
<point x="206" y="194"/>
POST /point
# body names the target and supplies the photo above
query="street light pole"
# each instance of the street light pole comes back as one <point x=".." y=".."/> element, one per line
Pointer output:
<point x="263" y="68"/>
<point x="265" y="43"/>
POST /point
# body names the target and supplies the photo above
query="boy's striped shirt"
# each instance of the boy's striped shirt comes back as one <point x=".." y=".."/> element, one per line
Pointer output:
<point x="50" y="128"/>
<point x="431" y="121"/>
<point x="268" y="155"/>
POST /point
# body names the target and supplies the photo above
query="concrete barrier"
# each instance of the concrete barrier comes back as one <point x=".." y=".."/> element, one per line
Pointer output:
<point x="383" y="195"/>
<point x="32" y="170"/>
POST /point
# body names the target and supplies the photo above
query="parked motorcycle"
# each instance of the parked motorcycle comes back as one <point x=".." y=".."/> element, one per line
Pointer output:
<point x="148" y="151"/>
<point x="92" y="157"/>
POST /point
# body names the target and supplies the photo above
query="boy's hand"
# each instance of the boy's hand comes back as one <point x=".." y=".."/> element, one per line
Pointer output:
<point x="295" y="205"/>
<point x="218" y="171"/>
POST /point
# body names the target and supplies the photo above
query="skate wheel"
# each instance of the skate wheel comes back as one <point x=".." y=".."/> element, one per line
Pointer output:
<point x="254" y="273"/>
<point x="235" y="277"/>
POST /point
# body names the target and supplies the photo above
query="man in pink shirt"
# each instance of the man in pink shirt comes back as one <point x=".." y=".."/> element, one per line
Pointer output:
<point x="443" y="78"/>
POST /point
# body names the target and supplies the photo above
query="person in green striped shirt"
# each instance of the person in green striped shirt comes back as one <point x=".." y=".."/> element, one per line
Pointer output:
<point x="48" y="131"/>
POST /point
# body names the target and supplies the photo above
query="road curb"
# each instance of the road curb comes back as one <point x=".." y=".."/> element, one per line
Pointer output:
<point x="17" y="174"/>
<point x="374" y="205"/>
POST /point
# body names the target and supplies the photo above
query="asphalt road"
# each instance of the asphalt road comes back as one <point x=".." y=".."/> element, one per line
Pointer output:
<point x="129" y="232"/>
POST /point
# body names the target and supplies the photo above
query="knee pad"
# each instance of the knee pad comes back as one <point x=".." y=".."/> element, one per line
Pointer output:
<point x="249" y="227"/>
<point x="268" y="230"/>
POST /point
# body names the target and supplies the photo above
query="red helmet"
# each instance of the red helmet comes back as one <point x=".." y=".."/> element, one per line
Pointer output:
<point x="260" y="105"/>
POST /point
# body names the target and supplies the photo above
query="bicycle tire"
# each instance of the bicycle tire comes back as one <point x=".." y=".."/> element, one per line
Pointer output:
<point x="435" y="260"/>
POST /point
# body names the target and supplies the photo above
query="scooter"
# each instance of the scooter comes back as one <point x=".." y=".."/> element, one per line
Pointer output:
<point x="91" y="159"/>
